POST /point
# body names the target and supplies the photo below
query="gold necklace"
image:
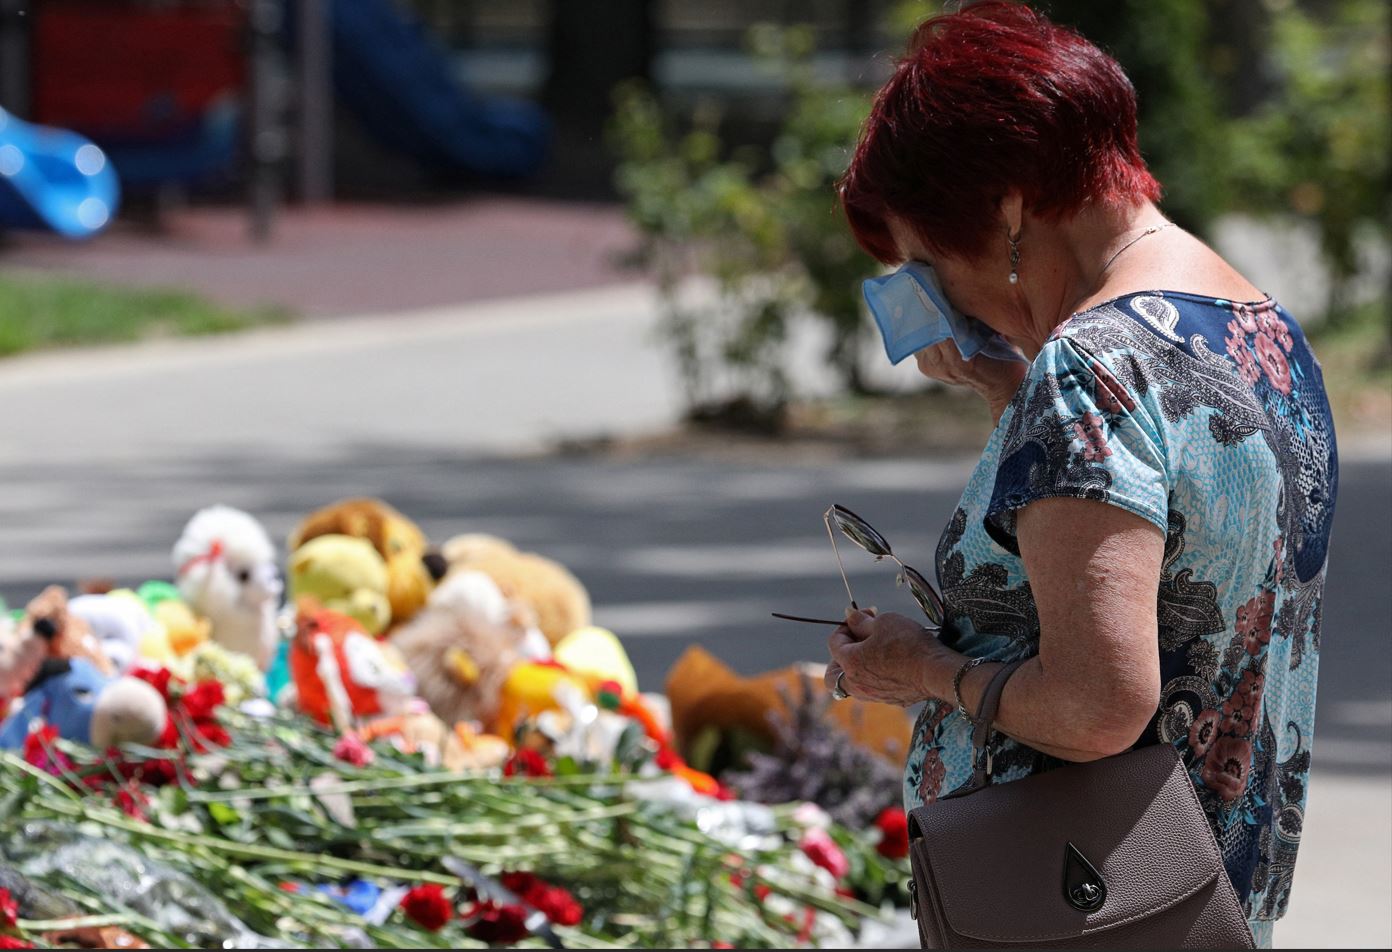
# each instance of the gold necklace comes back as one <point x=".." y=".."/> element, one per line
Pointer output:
<point x="1149" y="231"/>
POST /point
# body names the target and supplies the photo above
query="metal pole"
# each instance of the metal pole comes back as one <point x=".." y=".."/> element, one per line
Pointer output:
<point x="316" y="102"/>
<point x="14" y="58"/>
<point x="265" y="140"/>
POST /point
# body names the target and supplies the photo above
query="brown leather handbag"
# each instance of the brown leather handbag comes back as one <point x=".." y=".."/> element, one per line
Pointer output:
<point x="1111" y="854"/>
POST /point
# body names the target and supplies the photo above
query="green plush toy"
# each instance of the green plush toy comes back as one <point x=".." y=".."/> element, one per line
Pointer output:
<point x="346" y="575"/>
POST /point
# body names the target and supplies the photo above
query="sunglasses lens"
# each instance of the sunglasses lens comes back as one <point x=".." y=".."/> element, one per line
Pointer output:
<point x="926" y="595"/>
<point x="859" y="531"/>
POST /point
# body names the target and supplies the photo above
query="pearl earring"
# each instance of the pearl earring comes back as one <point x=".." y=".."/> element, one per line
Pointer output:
<point x="1014" y="258"/>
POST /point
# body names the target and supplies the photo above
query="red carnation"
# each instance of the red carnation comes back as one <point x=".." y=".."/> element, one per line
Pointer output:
<point x="132" y="802"/>
<point x="351" y="749"/>
<point x="822" y="850"/>
<point x="894" y="830"/>
<point x="157" y="773"/>
<point x="497" y="924"/>
<point x="9" y="909"/>
<point x="522" y="884"/>
<point x="558" y="905"/>
<point x="427" y="907"/>
<point x="12" y="942"/>
<point x="205" y="697"/>
<point x="157" y="677"/>
<point x="527" y="763"/>
<point x="211" y="733"/>
<point x="40" y="751"/>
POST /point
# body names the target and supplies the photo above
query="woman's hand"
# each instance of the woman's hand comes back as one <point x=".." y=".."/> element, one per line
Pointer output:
<point x="887" y="658"/>
<point x="994" y="380"/>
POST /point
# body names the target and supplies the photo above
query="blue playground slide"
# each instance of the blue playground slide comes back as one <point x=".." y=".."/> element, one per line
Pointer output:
<point x="400" y="84"/>
<point x="52" y="179"/>
<point x="202" y="151"/>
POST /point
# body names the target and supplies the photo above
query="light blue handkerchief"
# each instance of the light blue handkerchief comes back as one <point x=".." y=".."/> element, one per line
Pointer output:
<point x="912" y="313"/>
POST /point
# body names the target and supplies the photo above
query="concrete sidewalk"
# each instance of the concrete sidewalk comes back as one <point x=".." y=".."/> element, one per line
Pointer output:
<point x="510" y="375"/>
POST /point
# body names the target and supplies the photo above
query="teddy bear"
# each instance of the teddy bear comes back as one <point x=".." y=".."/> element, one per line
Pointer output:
<point x="45" y="630"/>
<point x="412" y="568"/>
<point x="225" y="568"/>
<point x="87" y="706"/>
<point x="462" y="645"/>
<point x="344" y="574"/>
<point x="557" y="597"/>
<point x="712" y="704"/>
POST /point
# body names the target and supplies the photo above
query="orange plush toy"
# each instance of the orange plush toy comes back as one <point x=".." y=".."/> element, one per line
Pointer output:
<point x="709" y="700"/>
<point x="342" y="673"/>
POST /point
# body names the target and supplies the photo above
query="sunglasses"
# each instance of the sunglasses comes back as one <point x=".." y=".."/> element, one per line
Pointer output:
<point x="868" y="538"/>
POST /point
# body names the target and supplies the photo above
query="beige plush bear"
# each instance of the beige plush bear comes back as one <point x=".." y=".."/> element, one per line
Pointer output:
<point x="558" y="599"/>
<point x="462" y="645"/>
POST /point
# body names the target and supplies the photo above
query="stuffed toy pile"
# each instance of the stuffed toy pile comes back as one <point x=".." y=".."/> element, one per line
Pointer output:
<point x="454" y="651"/>
<point x="472" y="657"/>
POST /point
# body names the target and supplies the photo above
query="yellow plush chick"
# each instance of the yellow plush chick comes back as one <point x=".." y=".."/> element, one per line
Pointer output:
<point x="345" y="575"/>
<point x="530" y="688"/>
<point x="177" y="630"/>
<point x="184" y="630"/>
<point x="595" y="655"/>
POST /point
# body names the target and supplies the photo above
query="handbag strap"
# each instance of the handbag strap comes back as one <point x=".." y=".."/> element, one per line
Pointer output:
<point x="981" y="725"/>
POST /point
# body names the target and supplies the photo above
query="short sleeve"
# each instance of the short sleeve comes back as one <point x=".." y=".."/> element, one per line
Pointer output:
<point x="1078" y="428"/>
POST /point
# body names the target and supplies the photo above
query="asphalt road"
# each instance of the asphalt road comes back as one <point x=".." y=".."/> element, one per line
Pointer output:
<point x="674" y="551"/>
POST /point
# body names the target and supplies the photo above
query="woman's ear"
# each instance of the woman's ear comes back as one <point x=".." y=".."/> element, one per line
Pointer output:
<point x="1012" y="209"/>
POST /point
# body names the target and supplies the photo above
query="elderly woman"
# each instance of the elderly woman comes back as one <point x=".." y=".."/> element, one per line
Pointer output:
<point x="1149" y="520"/>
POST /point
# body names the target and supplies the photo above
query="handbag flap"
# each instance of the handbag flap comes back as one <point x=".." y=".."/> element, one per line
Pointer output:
<point x="1005" y="858"/>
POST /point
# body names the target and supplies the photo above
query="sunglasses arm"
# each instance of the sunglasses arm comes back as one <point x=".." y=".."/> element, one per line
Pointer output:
<point x="809" y="621"/>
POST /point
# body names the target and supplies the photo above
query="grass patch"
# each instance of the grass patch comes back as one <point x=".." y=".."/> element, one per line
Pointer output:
<point x="39" y="313"/>
<point x="1355" y="351"/>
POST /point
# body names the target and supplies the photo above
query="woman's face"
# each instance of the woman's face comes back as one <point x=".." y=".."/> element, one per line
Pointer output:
<point x="979" y="288"/>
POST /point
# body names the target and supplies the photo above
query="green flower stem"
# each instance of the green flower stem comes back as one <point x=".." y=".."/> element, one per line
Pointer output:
<point x="251" y="851"/>
<point x="444" y="827"/>
<point x="77" y="922"/>
<point x="52" y="782"/>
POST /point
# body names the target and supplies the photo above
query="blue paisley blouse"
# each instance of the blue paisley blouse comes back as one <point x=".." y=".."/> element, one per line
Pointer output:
<point x="1208" y="418"/>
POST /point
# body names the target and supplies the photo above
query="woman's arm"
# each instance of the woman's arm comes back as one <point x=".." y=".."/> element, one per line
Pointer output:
<point x="1094" y="570"/>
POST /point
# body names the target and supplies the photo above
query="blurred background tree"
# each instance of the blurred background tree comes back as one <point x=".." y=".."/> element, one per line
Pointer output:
<point x="762" y="223"/>
<point x="1277" y="109"/>
<point x="1318" y="149"/>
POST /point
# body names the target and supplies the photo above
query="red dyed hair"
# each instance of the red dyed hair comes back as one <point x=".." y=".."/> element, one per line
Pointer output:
<point x="991" y="98"/>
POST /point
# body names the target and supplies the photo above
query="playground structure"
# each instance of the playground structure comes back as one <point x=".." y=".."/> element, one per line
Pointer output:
<point x="53" y="179"/>
<point x="200" y="93"/>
